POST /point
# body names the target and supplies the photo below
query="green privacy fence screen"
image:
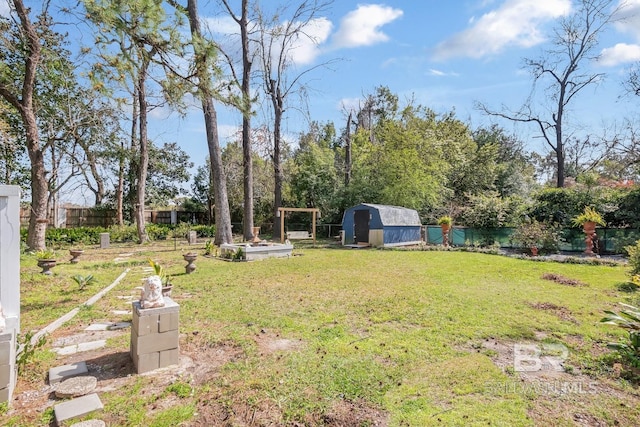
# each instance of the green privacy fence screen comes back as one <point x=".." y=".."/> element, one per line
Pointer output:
<point x="610" y="240"/>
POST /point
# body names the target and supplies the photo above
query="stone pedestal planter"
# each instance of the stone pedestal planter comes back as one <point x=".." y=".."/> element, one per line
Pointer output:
<point x="190" y="258"/>
<point x="75" y="255"/>
<point x="46" y="265"/>
<point x="154" y="336"/>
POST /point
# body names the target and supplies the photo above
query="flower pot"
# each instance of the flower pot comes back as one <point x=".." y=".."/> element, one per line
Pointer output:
<point x="46" y="265"/>
<point x="256" y="232"/>
<point x="190" y="258"/>
<point x="589" y="227"/>
<point x="75" y="254"/>
<point x="166" y="290"/>
<point x="445" y="233"/>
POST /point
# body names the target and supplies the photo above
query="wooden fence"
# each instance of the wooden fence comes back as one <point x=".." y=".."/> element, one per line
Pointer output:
<point x="90" y="217"/>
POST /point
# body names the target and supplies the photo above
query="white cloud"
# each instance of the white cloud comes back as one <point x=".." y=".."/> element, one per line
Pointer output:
<point x="4" y="8"/>
<point x="619" y="54"/>
<point x="362" y="27"/>
<point x="306" y="48"/>
<point x="221" y="25"/>
<point x="349" y="104"/>
<point x="514" y="23"/>
<point x="440" y="73"/>
<point x="628" y="18"/>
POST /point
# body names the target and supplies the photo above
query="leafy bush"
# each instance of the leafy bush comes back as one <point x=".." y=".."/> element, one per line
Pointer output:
<point x="629" y="320"/>
<point x="205" y="230"/>
<point x="123" y="233"/>
<point x="634" y="258"/>
<point x="537" y="234"/>
<point x="26" y="350"/>
<point x="74" y="236"/>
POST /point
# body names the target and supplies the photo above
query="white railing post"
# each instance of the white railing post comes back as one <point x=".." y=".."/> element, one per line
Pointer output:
<point x="9" y="286"/>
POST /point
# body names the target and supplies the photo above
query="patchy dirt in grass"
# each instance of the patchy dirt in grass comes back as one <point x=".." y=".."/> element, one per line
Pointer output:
<point x="269" y="342"/>
<point x="345" y="414"/>
<point x="563" y="280"/>
<point x="561" y="393"/>
<point x="562" y="312"/>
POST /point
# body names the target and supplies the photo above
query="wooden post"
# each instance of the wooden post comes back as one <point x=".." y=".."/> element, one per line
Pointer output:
<point x="313" y="226"/>
<point x="281" y="210"/>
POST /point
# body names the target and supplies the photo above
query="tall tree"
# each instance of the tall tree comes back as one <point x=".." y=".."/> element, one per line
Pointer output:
<point x="279" y="36"/>
<point x="204" y="57"/>
<point x="565" y="67"/>
<point x="18" y="83"/>
<point x="246" y="108"/>
<point x="144" y="35"/>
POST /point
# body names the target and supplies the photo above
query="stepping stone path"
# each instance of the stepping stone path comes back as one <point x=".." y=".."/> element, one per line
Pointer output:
<point x="76" y="348"/>
<point x="77" y="407"/>
<point x="63" y="372"/>
<point x="73" y="381"/>
<point x="76" y="387"/>
<point x="90" y="423"/>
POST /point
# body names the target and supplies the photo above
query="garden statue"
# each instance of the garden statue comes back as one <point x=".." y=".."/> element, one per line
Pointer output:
<point x="151" y="293"/>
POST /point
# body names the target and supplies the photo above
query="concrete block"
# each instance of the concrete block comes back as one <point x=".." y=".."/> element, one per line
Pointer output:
<point x="5" y="352"/>
<point x="147" y="362"/>
<point x="170" y="306"/>
<point x="192" y="237"/>
<point x="63" y="372"/>
<point x="169" y="357"/>
<point x="5" y="375"/>
<point x="90" y="423"/>
<point x="143" y="325"/>
<point x="77" y="407"/>
<point x="4" y="395"/>
<point x="168" y="322"/>
<point x="156" y="342"/>
<point x="104" y="241"/>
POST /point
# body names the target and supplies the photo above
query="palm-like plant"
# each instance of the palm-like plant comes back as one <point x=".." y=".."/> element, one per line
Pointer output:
<point x="83" y="281"/>
<point x="628" y="319"/>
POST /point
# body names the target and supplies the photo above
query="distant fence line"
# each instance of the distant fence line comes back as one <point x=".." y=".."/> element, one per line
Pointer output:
<point x="90" y="217"/>
<point x="610" y="240"/>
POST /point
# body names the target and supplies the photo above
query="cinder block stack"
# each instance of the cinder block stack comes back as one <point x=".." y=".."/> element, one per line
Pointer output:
<point x="154" y="336"/>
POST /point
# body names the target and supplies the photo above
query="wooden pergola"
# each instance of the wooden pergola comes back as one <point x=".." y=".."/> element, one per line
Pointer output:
<point x="315" y="213"/>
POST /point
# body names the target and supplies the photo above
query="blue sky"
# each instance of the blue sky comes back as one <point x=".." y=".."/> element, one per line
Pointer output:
<point x="444" y="54"/>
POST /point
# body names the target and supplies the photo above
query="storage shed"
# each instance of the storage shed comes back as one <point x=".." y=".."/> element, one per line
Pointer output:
<point x="381" y="225"/>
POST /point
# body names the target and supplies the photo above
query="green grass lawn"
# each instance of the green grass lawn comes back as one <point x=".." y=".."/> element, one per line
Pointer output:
<point x="362" y="336"/>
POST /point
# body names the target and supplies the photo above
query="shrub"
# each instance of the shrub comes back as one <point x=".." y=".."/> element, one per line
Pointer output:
<point x="634" y="258"/>
<point x="628" y="319"/>
<point x="539" y="234"/>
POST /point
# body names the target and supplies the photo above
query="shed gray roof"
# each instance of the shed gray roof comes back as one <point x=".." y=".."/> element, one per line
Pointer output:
<point x="396" y="215"/>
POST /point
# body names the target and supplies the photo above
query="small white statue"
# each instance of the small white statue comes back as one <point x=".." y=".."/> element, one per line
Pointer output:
<point x="151" y="293"/>
<point x="3" y="322"/>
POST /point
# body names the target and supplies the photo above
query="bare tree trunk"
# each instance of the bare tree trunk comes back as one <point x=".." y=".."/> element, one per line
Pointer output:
<point x="347" y="152"/>
<point x="22" y="100"/>
<point x="144" y="156"/>
<point x="277" y="159"/>
<point x="247" y="158"/>
<point x="120" y="188"/>
<point x="133" y="162"/>
<point x="222" y="213"/>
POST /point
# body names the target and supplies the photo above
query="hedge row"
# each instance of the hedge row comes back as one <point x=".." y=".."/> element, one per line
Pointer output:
<point x="119" y="234"/>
